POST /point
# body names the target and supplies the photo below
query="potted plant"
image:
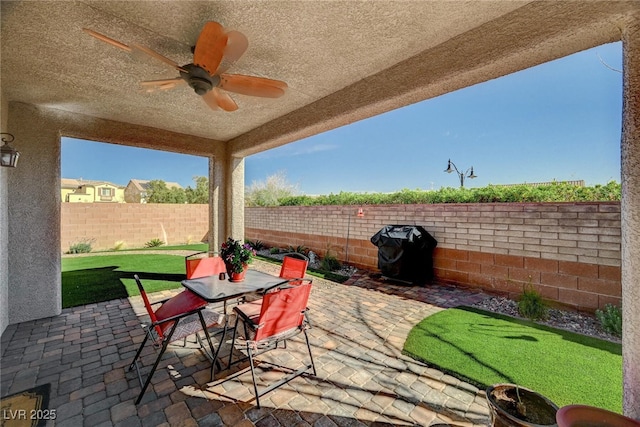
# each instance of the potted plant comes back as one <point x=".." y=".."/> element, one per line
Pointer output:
<point x="512" y="405"/>
<point x="236" y="257"/>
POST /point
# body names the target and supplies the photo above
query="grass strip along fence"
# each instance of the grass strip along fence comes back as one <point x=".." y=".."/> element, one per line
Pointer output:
<point x="485" y="348"/>
<point x="91" y="279"/>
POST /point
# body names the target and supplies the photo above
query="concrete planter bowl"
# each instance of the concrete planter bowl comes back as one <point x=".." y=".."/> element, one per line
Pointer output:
<point x="514" y="406"/>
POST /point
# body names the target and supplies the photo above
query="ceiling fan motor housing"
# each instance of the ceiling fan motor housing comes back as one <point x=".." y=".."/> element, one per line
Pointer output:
<point x="198" y="79"/>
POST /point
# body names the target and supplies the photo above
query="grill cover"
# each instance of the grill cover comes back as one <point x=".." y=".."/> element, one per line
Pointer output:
<point x="405" y="252"/>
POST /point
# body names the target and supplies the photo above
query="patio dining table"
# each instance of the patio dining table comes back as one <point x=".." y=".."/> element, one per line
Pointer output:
<point x="214" y="289"/>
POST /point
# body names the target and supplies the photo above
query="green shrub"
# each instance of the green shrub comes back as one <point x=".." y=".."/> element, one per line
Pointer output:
<point x="81" y="247"/>
<point x="258" y="245"/>
<point x="274" y="250"/>
<point x="330" y="263"/>
<point x="554" y="192"/>
<point x="531" y="305"/>
<point x="153" y="243"/>
<point x="611" y="319"/>
<point x="300" y="249"/>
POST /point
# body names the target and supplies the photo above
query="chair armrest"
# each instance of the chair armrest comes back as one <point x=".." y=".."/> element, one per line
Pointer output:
<point x="282" y="285"/>
<point x="200" y="253"/>
<point x="246" y="311"/>
<point x="162" y="301"/>
<point x="177" y="316"/>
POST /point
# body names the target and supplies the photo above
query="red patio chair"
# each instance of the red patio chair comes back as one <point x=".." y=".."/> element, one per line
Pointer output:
<point x="198" y="265"/>
<point x="176" y="318"/>
<point x="278" y="316"/>
<point x="294" y="266"/>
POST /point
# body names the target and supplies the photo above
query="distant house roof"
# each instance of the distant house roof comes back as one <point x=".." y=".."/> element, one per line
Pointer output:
<point x="73" y="183"/>
<point x="143" y="185"/>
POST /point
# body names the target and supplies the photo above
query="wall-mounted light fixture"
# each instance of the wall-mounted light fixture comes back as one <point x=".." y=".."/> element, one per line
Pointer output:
<point x="468" y="174"/>
<point x="8" y="154"/>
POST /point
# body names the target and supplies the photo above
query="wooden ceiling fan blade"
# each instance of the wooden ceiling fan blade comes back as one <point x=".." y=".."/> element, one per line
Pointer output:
<point x="252" y="86"/>
<point x="210" y="100"/>
<point x="216" y="99"/>
<point x="155" y="55"/>
<point x="106" y="39"/>
<point x="224" y="100"/>
<point x="210" y="47"/>
<point x="237" y="44"/>
<point x="166" y="84"/>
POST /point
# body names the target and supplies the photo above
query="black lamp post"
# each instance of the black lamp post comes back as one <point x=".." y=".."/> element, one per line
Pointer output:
<point x="467" y="174"/>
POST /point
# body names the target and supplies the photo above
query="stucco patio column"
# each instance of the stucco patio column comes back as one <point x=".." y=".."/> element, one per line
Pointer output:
<point x="631" y="219"/>
<point x="235" y="199"/>
<point x="226" y="199"/>
<point x="34" y="273"/>
<point x="216" y="202"/>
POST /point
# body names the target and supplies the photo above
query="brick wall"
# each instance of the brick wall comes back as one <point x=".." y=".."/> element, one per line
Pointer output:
<point x="570" y="252"/>
<point x="134" y="224"/>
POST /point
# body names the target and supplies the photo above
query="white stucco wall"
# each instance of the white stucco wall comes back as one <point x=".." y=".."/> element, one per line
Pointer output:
<point x="631" y="220"/>
<point x="34" y="289"/>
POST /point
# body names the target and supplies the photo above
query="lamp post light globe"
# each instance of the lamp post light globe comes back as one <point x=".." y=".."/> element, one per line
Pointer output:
<point x="467" y="174"/>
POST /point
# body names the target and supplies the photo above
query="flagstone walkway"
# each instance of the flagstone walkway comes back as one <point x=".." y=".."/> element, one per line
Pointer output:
<point x="363" y="379"/>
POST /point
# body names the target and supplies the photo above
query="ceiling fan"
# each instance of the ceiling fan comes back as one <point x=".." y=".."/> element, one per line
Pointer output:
<point x="215" y="51"/>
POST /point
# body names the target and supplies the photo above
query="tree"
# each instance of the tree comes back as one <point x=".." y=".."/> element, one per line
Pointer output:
<point x="200" y="194"/>
<point x="157" y="192"/>
<point x="270" y="191"/>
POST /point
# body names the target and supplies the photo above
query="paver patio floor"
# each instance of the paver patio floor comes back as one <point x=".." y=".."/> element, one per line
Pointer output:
<point x="362" y="378"/>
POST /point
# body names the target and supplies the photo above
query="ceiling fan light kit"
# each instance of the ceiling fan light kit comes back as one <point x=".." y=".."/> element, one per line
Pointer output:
<point x="214" y="53"/>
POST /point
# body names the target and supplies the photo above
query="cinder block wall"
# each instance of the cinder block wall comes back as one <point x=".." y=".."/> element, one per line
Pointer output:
<point x="132" y="223"/>
<point x="570" y="252"/>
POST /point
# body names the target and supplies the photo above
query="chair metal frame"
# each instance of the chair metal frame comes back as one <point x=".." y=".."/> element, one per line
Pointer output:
<point x="165" y="329"/>
<point x="280" y="315"/>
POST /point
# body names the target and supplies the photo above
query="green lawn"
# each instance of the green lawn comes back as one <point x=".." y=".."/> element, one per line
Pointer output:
<point x="485" y="348"/>
<point x="99" y="278"/>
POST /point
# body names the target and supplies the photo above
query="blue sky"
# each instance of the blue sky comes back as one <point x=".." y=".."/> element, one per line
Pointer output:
<point x="557" y="121"/>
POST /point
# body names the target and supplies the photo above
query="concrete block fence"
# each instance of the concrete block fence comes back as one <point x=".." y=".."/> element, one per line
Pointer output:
<point x="570" y="252"/>
<point x="105" y="224"/>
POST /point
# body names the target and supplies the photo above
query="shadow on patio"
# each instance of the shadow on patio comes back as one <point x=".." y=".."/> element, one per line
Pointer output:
<point x="357" y="337"/>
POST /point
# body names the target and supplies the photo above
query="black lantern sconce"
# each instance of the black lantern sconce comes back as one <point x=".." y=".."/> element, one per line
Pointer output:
<point x="8" y="154"/>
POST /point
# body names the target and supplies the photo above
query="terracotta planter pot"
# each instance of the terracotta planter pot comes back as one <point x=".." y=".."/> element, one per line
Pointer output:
<point x="238" y="277"/>
<point x="582" y="415"/>
<point x="506" y="412"/>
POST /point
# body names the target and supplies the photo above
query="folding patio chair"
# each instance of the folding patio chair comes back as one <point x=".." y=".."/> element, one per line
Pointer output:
<point x="200" y="265"/>
<point x="294" y="266"/>
<point x="176" y="318"/>
<point x="278" y="316"/>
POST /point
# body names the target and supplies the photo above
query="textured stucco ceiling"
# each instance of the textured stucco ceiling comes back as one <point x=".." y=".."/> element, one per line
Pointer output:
<point x="343" y="60"/>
